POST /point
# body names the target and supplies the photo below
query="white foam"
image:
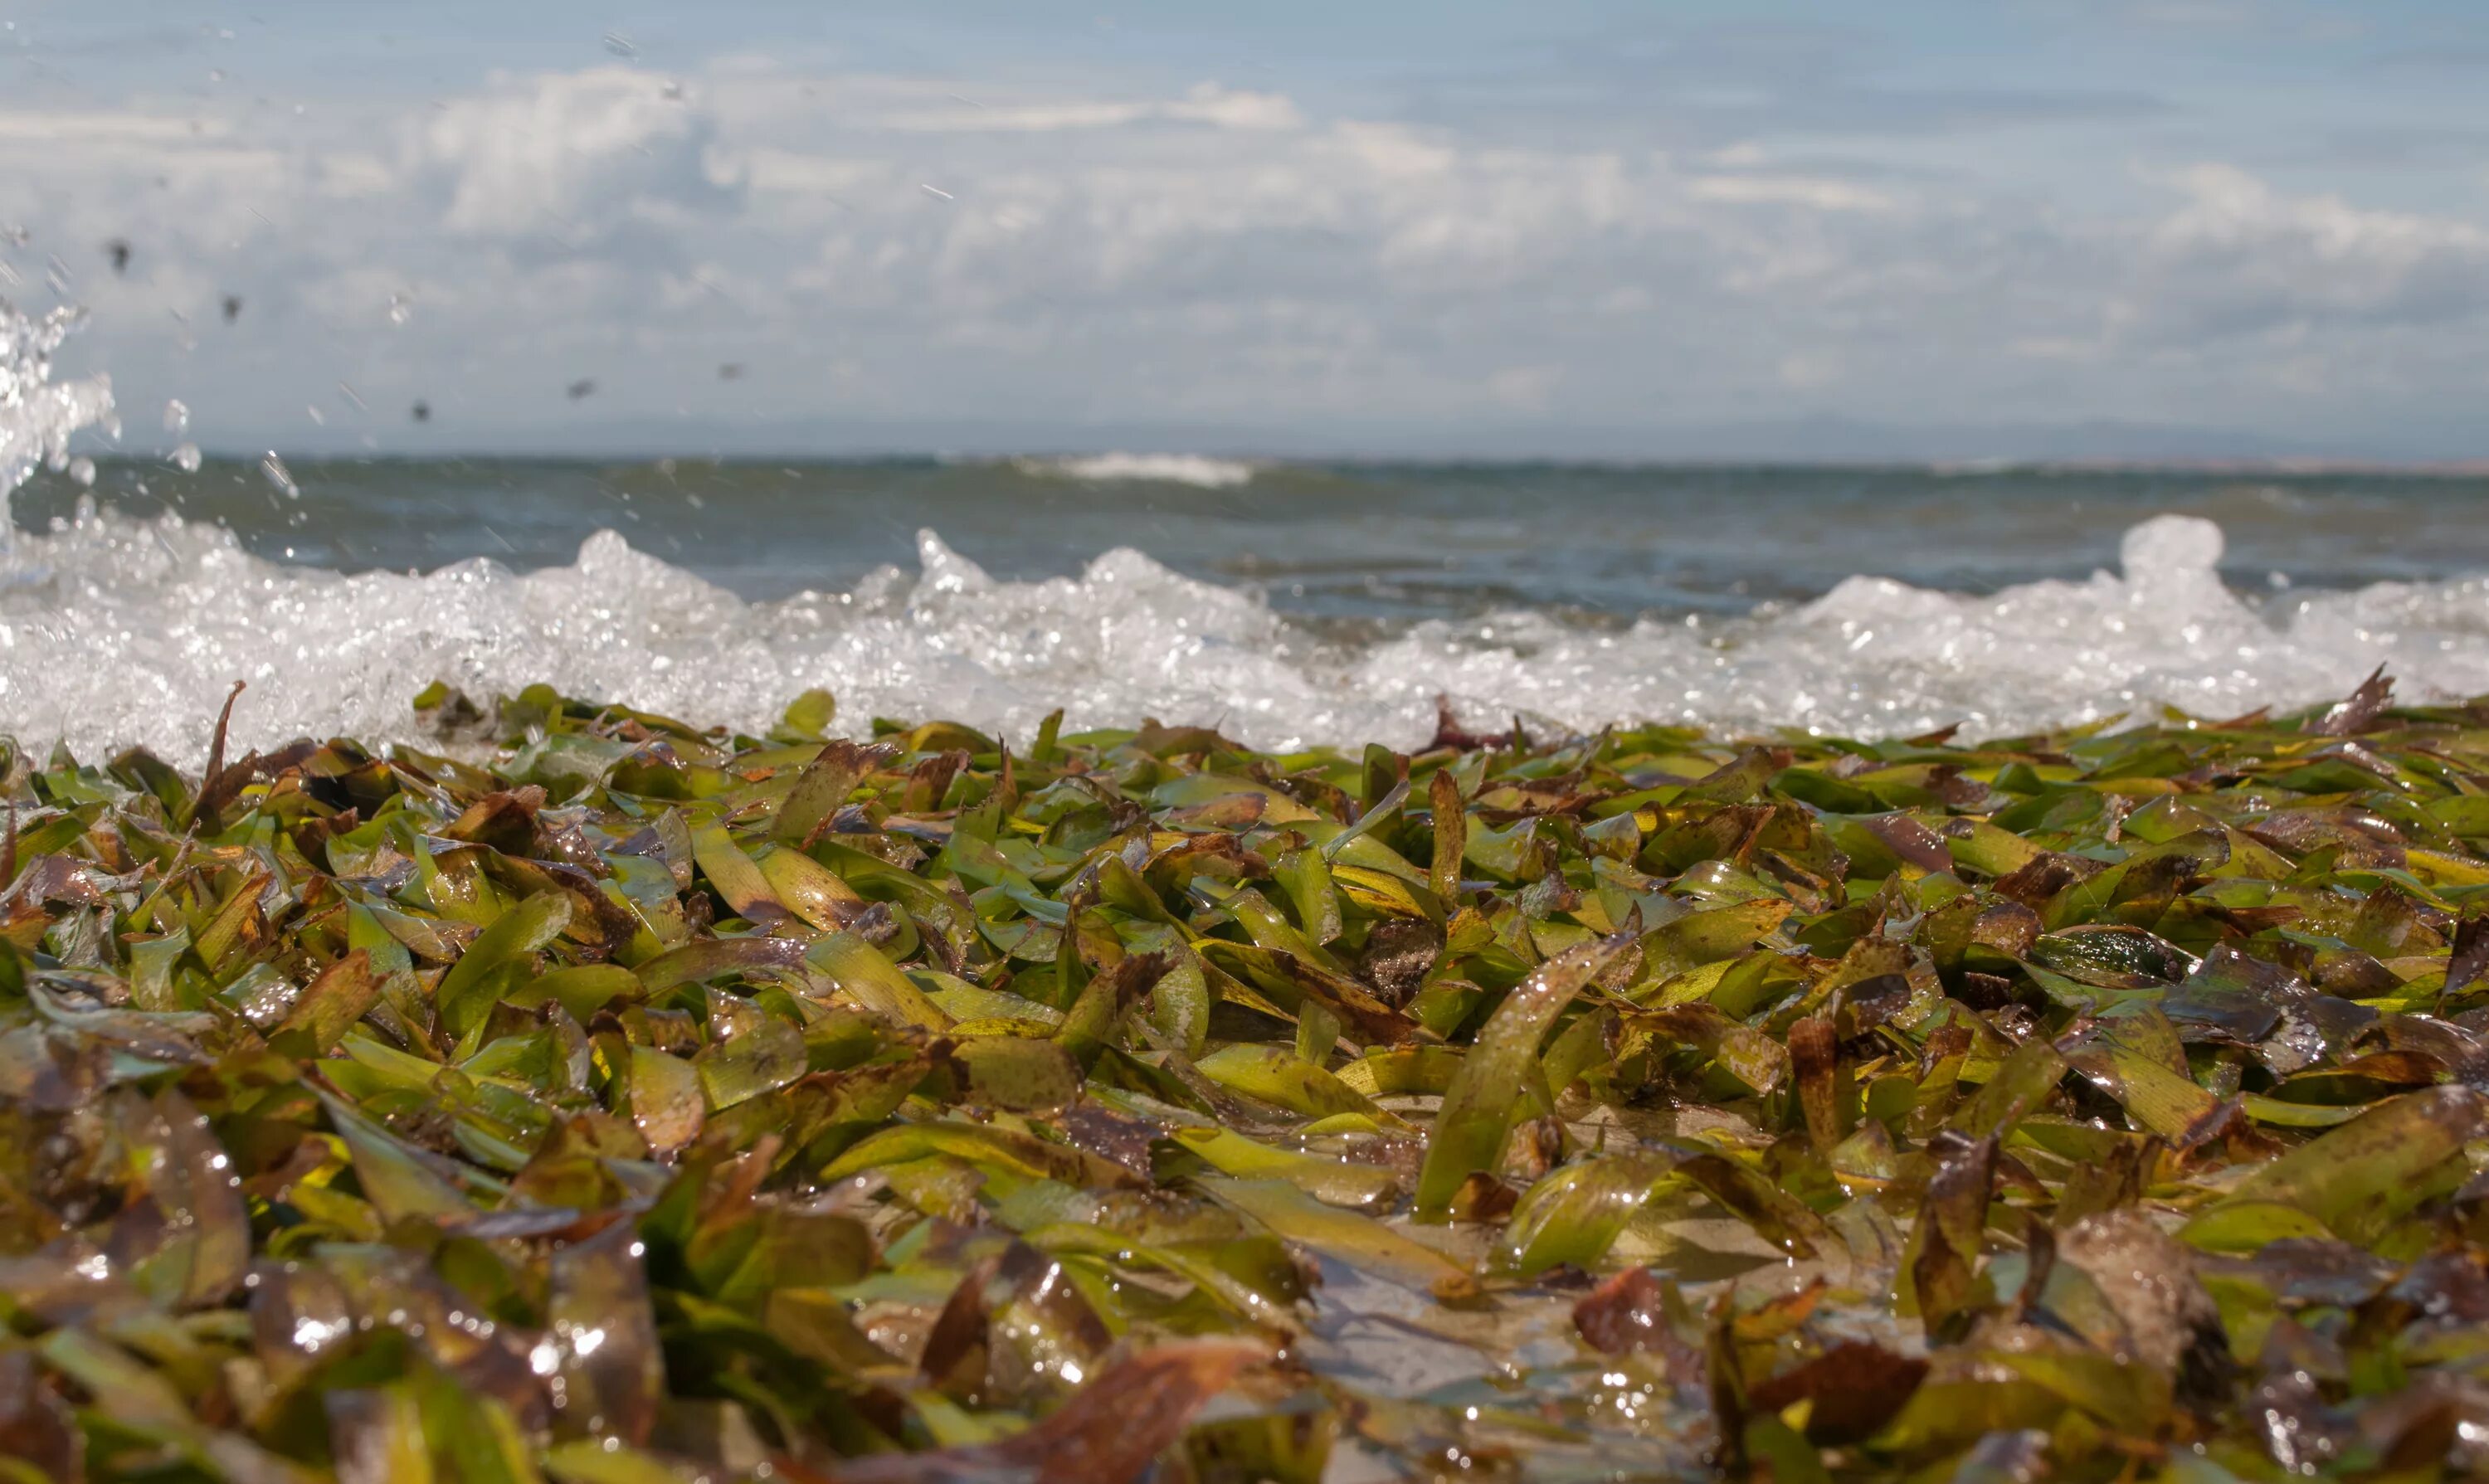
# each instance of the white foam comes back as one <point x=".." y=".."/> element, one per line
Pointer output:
<point x="1192" y="469"/>
<point x="1880" y="658"/>
<point x="114" y="631"/>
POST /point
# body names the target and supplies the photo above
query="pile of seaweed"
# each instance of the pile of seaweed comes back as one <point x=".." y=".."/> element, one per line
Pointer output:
<point x="649" y="1104"/>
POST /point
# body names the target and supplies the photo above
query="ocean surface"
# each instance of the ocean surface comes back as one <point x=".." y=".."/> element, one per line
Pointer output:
<point x="1390" y="543"/>
<point x="1289" y="603"/>
<point x="1286" y="603"/>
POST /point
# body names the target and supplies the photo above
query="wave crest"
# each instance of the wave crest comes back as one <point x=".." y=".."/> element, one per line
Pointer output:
<point x="1198" y="471"/>
<point x="114" y="631"/>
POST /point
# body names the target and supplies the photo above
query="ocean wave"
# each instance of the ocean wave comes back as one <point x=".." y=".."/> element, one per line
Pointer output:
<point x="115" y="631"/>
<point x="1196" y="470"/>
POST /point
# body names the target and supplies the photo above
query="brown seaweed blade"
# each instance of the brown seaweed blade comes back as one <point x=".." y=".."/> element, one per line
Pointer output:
<point x="1109" y="1434"/>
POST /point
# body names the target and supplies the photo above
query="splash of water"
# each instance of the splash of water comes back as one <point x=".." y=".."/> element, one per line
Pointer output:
<point x="114" y="631"/>
<point x="37" y="416"/>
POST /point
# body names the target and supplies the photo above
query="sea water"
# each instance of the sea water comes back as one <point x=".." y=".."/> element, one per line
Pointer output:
<point x="1285" y="602"/>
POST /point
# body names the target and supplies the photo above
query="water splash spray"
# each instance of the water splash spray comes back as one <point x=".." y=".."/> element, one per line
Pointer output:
<point x="37" y="417"/>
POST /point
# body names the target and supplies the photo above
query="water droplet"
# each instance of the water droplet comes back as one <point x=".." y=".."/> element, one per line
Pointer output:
<point x="82" y="470"/>
<point x="279" y="475"/>
<point x="401" y="307"/>
<point x="186" y="458"/>
<point x="176" y="417"/>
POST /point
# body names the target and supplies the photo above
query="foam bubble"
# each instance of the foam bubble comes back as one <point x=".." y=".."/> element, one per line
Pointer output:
<point x="114" y="631"/>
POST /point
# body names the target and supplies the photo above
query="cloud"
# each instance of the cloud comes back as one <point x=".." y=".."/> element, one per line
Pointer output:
<point x="2238" y="258"/>
<point x="94" y="129"/>
<point x="577" y="155"/>
<point x="1814" y="193"/>
<point x="1205" y="104"/>
<point x="1212" y="255"/>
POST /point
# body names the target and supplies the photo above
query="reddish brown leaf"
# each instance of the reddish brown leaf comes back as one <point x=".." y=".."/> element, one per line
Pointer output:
<point x="1624" y="1314"/>
<point x="2470" y="954"/>
<point x="2351" y="716"/>
<point x="1914" y="843"/>
<point x="1108" y="1432"/>
<point x="1855" y="1387"/>
<point x="1814" y="1066"/>
<point x="1449" y="733"/>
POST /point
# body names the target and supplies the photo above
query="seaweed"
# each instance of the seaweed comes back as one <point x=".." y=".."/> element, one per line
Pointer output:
<point x="635" y="1101"/>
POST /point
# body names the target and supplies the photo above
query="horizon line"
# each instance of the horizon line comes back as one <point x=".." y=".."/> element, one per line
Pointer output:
<point x="2285" y="466"/>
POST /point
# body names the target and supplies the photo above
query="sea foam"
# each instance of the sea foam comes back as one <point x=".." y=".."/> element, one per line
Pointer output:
<point x="115" y="631"/>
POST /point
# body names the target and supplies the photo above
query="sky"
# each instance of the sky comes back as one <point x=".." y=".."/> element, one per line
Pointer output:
<point x="1562" y="229"/>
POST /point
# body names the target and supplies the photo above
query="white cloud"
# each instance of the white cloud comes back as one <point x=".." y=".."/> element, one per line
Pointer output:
<point x="2238" y="257"/>
<point x="572" y="153"/>
<point x="1206" y="103"/>
<point x="1813" y="192"/>
<point x="1215" y="255"/>
<point x="1235" y="108"/>
<point x="90" y="129"/>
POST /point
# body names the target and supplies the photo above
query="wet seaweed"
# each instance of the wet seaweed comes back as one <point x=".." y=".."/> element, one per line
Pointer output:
<point x="605" y="1099"/>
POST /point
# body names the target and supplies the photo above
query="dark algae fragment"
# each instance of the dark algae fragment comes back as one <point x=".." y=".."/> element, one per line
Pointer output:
<point x="605" y="1099"/>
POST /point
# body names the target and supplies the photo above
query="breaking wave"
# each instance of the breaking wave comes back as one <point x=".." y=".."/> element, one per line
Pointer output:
<point x="115" y="631"/>
<point x="1195" y="470"/>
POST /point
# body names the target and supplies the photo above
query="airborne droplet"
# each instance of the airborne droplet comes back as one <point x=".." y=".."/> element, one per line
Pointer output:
<point x="279" y="475"/>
